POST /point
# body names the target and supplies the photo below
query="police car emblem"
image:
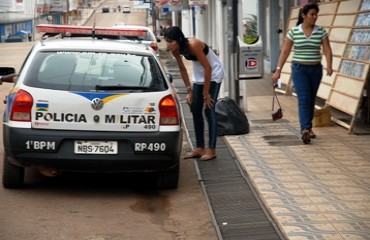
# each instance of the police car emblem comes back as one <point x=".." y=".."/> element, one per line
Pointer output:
<point x="97" y="104"/>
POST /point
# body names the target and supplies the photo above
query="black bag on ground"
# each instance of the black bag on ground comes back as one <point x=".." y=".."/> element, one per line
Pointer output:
<point x="231" y="119"/>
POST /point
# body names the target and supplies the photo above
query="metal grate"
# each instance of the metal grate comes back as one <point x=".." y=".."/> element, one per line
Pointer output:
<point x="237" y="212"/>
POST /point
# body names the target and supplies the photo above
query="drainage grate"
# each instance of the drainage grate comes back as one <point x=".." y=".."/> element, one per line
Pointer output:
<point x="236" y="209"/>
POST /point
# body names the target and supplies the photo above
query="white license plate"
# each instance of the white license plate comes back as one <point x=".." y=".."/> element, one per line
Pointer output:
<point x="96" y="147"/>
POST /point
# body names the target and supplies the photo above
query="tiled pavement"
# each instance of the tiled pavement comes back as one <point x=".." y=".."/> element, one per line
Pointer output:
<point x="316" y="191"/>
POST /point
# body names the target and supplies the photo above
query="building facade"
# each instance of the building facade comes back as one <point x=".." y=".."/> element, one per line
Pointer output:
<point x="18" y="17"/>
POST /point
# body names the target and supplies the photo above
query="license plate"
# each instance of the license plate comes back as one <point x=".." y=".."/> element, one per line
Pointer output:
<point x="96" y="147"/>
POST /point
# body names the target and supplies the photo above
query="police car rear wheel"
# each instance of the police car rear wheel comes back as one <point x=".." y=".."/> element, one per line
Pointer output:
<point x="169" y="179"/>
<point x="13" y="176"/>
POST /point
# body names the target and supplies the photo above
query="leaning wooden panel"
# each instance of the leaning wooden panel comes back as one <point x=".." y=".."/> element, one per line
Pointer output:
<point x="285" y="78"/>
<point x="339" y="34"/>
<point x="338" y="48"/>
<point x="335" y="64"/>
<point x="349" y="86"/>
<point x="328" y="79"/>
<point x="324" y="91"/>
<point x="325" y="21"/>
<point x="287" y="68"/>
<point x="343" y="102"/>
<point x="351" y="6"/>
<point x="344" y="20"/>
<point x="327" y="8"/>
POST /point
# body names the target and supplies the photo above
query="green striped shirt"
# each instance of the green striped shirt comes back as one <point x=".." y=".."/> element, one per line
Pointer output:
<point x="307" y="49"/>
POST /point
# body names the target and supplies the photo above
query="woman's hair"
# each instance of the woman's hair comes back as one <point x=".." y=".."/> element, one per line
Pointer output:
<point x="305" y="9"/>
<point x="175" y="33"/>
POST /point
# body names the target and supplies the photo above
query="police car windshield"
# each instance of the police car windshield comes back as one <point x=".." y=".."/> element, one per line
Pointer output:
<point x="83" y="71"/>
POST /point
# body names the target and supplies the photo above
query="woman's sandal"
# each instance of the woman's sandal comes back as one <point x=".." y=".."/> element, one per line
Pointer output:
<point x="193" y="154"/>
<point x="207" y="157"/>
<point x="306" y="136"/>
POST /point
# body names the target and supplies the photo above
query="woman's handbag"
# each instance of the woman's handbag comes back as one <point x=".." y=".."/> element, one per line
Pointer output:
<point x="278" y="113"/>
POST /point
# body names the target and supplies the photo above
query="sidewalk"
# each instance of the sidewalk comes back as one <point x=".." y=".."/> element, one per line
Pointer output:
<point x="316" y="191"/>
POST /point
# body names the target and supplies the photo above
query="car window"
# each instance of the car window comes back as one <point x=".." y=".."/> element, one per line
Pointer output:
<point x="84" y="71"/>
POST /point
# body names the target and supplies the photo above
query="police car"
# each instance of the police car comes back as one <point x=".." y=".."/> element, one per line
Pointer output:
<point x="91" y="105"/>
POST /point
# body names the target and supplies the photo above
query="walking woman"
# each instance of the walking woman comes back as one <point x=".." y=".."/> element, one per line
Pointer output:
<point x="307" y="39"/>
<point x="208" y="73"/>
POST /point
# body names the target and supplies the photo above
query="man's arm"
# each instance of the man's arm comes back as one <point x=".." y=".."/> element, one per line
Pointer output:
<point x="10" y="78"/>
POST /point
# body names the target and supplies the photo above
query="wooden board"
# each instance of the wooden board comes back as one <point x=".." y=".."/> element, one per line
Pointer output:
<point x="335" y="64"/>
<point x="349" y="86"/>
<point x="325" y="21"/>
<point x="285" y="78"/>
<point x="329" y="80"/>
<point x="344" y="20"/>
<point x="337" y="48"/>
<point x="328" y="8"/>
<point x="343" y="102"/>
<point x="324" y="91"/>
<point x="339" y="34"/>
<point x="351" y="6"/>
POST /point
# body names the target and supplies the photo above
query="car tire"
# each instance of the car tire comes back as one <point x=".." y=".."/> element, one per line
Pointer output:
<point x="169" y="179"/>
<point x="13" y="176"/>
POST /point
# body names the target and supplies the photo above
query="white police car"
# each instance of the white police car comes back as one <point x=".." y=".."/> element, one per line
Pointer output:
<point x="92" y="105"/>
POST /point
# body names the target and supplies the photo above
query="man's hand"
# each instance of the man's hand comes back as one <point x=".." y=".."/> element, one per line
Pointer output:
<point x="10" y="78"/>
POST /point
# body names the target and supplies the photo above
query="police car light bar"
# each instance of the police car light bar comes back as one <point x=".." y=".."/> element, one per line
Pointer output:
<point x="51" y="29"/>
